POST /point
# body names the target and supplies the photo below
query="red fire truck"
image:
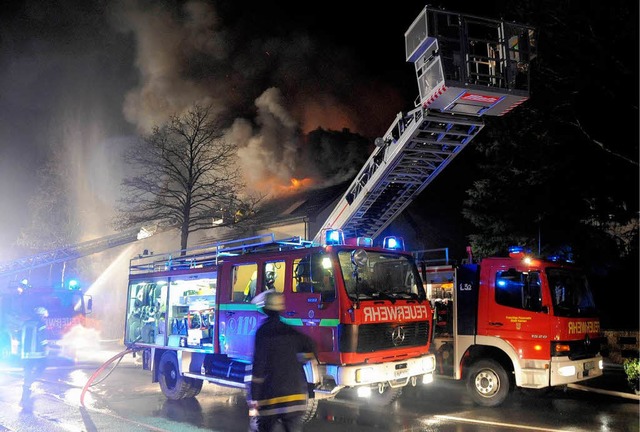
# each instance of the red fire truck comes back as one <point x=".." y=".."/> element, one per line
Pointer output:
<point x="68" y="308"/>
<point x="191" y="313"/>
<point x="517" y="321"/>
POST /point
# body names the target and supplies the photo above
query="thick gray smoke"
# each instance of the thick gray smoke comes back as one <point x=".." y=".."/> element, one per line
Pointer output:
<point x="81" y="78"/>
<point x="187" y="55"/>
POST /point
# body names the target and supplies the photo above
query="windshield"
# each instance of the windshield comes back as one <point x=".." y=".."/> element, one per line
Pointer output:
<point x="58" y="303"/>
<point x="571" y="293"/>
<point x="373" y="275"/>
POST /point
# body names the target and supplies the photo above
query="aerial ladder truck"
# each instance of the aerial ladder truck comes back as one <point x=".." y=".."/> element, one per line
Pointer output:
<point x="194" y="314"/>
<point x="510" y="322"/>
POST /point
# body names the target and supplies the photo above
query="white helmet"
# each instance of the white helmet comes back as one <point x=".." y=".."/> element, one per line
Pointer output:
<point x="41" y="312"/>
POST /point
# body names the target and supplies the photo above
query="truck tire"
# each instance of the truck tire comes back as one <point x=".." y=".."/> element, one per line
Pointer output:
<point x="196" y="387"/>
<point x="173" y="385"/>
<point x="387" y="397"/>
<point x="310" y="412"/>
<point x="488" y="383"/>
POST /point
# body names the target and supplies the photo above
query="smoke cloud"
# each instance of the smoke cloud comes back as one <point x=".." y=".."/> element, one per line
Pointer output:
<point x="271" y="91"/>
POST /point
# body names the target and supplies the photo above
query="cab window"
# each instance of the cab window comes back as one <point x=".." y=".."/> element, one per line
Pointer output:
<point x="244" y="282"/>
<point x="314" y="274"/>
<point x="519" y="290"/>
<point x="273" y="275"/>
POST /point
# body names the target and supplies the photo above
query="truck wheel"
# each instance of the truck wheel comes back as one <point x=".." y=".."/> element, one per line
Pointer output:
<point x="488" y="383"/>
<point x="196" y="387"/>
<point x="387" y="397"/>
<point x="310" y="411"/>
<point x="173" y="385"/>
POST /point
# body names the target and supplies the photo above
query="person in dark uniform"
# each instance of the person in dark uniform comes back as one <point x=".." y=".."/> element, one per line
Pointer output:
<point x="279" y="389"/>
<point x="34" y="351"/>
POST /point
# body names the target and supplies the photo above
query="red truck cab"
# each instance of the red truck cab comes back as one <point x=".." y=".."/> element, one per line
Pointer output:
<point x="514" y="321"/>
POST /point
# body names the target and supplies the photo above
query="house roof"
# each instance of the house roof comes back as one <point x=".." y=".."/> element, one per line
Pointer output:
<point x="308" y="203"/>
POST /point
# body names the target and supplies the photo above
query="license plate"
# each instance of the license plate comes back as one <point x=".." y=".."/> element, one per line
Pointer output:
<point x="400" y="373"/>
<point x="589" y="365"/>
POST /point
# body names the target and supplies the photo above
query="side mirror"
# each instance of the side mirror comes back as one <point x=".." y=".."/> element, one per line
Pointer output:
<point x="359" y="258"/>
<point x="88" y="308"/>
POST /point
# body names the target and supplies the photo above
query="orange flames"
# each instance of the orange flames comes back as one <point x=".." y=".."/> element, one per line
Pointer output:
<point x="296" y="185"/>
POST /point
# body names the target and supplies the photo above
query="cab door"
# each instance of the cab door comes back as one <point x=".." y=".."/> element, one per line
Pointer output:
<point x="513" y="310"/>
<point x="312" y="302"/>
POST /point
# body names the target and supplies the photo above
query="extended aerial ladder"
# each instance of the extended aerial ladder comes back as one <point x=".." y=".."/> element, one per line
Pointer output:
<point x="75" y="251"/>
<point x="466" y="67"/>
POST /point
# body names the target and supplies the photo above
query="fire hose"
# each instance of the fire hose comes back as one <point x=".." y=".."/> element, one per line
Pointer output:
<point x="102" y="368"/>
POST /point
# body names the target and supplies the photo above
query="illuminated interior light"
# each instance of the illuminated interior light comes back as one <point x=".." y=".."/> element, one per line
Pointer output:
<point x="326" y="263"/>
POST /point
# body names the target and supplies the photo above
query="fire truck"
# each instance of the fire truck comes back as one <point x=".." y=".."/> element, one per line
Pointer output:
<point x="192" y="315"/>
<point x="68" y="308"/>
<point x="512" y="321"/>
<point x="190" y="312"/>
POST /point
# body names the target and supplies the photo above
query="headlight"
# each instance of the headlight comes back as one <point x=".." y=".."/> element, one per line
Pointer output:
<point x="364" y="375"/>
<point x="428" y="364"/>
<point x="567" y="371"/>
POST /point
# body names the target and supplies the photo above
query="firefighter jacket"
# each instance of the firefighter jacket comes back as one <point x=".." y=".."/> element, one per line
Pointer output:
<point x="278" y="384"/>
<point x="34" y="340"/>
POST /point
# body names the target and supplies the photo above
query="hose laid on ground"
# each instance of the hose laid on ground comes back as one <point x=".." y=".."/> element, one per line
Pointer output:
<point x="101" y="368"/>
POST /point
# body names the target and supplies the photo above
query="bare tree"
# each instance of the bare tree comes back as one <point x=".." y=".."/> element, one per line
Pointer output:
<point x="186" y="177"/>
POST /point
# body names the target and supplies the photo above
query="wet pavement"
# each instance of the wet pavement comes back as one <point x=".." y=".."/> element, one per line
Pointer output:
<point x="612" y="382"/>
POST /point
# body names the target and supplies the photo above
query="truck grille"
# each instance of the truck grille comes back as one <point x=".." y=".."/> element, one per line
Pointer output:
<point x="581" y="349"/>
<point x="375" y="337"/>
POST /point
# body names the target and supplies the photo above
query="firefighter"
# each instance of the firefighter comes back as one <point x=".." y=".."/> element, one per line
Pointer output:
<point x="279" y="389"/>
<point x="34" y="343"/>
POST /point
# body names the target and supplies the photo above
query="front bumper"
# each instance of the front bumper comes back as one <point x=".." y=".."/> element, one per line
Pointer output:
<point x="396" y="373"/>
<point x="565" y="371"/>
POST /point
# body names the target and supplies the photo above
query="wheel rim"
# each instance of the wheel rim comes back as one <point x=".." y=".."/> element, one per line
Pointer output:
<point x="170" y="376"/>
<point x="487" y="383"/>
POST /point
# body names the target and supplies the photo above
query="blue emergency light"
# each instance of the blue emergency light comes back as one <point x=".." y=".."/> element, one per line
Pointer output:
<point x="364" y="241"/>
<point x="333" y="237"/>
<point x="518" y="249"/>
<point x="396" y="243"/>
